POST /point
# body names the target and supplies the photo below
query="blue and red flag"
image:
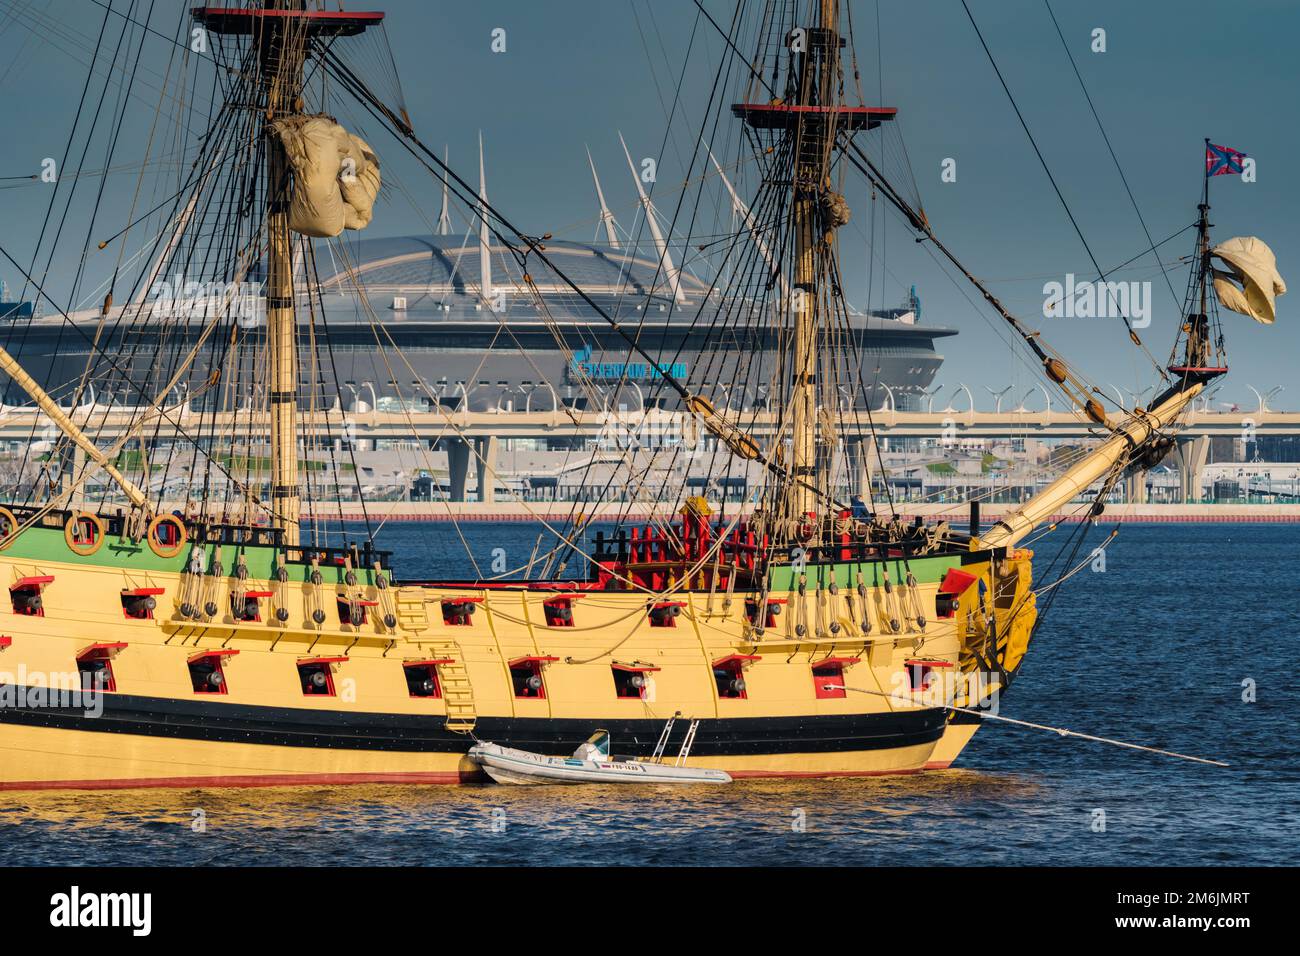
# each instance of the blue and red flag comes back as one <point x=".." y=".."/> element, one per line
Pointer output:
<point x="1222" y="160"/>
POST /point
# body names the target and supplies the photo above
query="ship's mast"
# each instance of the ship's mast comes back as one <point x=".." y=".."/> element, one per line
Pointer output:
<point x="1137" y="441"/>
<point x="281" y="58"/>
<point x="281" y="32"/>
<point x="1198" y="324"/>
<point x="818" y="78"/>
<point x="801" y="122"/>
<point x="1202" y="355"/>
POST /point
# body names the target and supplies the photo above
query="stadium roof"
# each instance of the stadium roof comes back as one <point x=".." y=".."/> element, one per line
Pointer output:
<point x="449" y="265"/>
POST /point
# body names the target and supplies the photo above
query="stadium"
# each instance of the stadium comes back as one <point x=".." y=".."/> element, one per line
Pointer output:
<point x="508" y="353"/>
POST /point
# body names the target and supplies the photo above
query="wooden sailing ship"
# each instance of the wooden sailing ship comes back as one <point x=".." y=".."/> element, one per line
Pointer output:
<point x="808" y="637"/>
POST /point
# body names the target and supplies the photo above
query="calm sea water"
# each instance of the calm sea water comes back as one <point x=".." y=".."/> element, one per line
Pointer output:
<point x="1154" y="650"/>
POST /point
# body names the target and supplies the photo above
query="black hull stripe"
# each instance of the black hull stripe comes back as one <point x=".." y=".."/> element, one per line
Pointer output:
<point x="344" y="730"/>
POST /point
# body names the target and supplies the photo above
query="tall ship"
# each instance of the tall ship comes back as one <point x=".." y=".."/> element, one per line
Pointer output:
<point x="226" y="641"/>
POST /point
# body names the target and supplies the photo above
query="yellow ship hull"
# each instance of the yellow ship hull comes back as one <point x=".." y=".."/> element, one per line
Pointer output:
<point x="38" y="758"/>
<point x="154" y="728"/>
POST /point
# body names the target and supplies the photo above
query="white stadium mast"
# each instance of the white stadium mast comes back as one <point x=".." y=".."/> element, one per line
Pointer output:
<point x="484" y="253"/>
<point x="665" y="259"/>
<point x="444" y="219"/>
<point x="606" y="217"/>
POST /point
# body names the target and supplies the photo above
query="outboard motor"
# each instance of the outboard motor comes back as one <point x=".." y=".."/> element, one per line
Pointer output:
<point x="596" y="747"/>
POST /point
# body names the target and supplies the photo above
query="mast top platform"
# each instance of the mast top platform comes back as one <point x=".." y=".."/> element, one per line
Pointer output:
<point x="245" y="21"/>
<point x="787" y="115"/>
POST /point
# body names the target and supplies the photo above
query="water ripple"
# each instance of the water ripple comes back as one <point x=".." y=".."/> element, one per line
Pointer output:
<point x="1154" y="650"/>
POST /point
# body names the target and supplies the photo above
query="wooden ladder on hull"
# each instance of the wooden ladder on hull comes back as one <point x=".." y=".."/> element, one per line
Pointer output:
<point x="453" y="681"/>
<point x="453" y="677"/>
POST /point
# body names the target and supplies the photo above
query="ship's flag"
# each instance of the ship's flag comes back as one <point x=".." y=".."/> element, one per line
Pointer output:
<point x="1222" y="160"/>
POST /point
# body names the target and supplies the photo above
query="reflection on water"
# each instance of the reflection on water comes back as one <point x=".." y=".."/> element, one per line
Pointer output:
<point x="761" y="820"/>
<point x="1133" y="653"/>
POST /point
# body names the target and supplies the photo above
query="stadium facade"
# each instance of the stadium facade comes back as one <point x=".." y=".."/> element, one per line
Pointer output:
<point x="509" y="351"/>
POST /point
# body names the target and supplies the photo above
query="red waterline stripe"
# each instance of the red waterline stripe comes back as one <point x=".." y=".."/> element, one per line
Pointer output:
<point x="244" y="780"/>
<point x="337" y="779"/>
<point x="763" y="774"/>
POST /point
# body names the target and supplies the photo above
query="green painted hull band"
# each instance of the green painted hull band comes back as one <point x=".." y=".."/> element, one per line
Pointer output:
<point x="48" y="544"/>
<point x="845" y="575"/>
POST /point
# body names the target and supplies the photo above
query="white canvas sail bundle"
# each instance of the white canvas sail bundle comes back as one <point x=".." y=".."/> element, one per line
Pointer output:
<point x="1253" y="284"/>
<point x="336" y="176"/>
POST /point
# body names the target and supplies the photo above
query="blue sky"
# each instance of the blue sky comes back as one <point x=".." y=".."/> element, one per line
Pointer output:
<point x="576" y="72"/>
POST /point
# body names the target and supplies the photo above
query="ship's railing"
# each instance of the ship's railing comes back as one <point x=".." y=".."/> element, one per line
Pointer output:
<point x="362" y="555"/>
<point x="742" y="549"/>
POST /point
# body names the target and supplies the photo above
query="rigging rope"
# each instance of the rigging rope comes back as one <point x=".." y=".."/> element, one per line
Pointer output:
<point x="1119" y="167"/>
<point x="1059" y="195"/>
<point x="1061" y="731"/>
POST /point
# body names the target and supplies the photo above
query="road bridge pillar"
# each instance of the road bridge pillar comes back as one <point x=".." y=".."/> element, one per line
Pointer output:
<point x="457" y="468"/>
<point x="1135" y="488"/>
<point x="1192" y="455"/>
<point x="485" y="464"/>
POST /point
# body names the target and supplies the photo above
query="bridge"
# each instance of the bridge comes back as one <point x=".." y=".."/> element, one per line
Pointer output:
<point x="467" y="435"/>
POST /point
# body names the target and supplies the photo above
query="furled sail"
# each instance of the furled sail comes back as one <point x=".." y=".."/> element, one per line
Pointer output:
<point x="1253" y="284"/>
<point x="336" y="176"/>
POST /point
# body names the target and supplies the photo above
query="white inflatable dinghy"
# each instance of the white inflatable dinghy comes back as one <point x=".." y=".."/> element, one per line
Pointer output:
<point x="590" y="763"/>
